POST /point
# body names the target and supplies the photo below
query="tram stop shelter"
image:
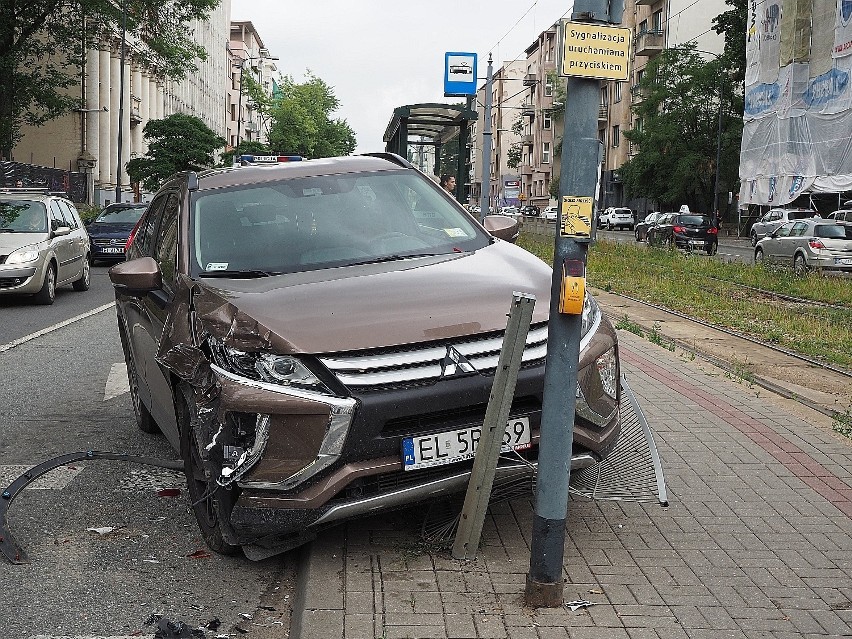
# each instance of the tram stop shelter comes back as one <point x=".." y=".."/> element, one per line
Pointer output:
<point x="446" y="127"/>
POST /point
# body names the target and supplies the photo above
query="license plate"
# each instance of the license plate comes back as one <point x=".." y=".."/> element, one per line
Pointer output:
<point x="843" y="261"/>
<point x="696" y="242"/>
<point x="113" y="249"/>
<point x="457" y="445"/>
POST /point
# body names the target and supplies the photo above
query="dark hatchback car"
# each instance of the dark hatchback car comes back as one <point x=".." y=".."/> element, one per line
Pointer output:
<point x="109" y="231"/>
<point x="318" y="340"/>
<point x="691" y="232"/>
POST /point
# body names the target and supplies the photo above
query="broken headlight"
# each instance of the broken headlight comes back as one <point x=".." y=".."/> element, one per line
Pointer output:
<point x="591" y="314"/>
<point x="284" y="370"/>
<point x="607" y="366"/>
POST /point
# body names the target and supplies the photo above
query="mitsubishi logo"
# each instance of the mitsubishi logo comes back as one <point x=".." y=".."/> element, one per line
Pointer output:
<point x="454" y="363"/>
<point x="113" y="242"/>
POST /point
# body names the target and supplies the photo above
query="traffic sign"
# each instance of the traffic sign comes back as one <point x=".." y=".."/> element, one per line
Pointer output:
<point x="459" y="74"/>
<point x="595" y="51"/>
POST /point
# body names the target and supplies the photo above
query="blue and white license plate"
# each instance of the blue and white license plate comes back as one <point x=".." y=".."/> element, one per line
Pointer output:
<point x="457" y="445"/>
<point x="843" y="261"/>
<point x="113" y="249"/>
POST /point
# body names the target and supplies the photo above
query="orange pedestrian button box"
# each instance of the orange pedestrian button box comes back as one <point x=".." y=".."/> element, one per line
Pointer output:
<point x="573" y="287"/>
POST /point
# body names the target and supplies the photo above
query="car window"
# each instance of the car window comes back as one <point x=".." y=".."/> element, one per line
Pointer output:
<point x="317" y="222"/>
<point x="68" y="214"/>
<point x="799" y="215"/>
<point x="144" y="239"/>
<point x="694" y="220"/>
<point x="56" y="217"/>
<point x="165" y="251"/>
<point x="22" y="216"/>
<point x="784" y="229"/>
<point x="835" y="231"/>
<point x="798" y="229"/>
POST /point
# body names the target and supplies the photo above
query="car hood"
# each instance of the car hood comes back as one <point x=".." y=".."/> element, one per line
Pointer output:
<point x="376" y="305"/>
<point x="112" y="229"/>
<point x="13" y="241"/>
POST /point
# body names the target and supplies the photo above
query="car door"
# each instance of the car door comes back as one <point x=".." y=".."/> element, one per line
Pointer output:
<point x="796" y="238"/>
<point x="62" y="245"/>
<point x="161" y="244"/>
<point x="76" y="239"/>
<point x="772" y="243"/>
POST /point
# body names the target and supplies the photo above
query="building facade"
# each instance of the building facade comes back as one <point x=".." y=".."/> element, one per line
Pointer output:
<point x="87" y="140"/>
<point x="248" y="58"/>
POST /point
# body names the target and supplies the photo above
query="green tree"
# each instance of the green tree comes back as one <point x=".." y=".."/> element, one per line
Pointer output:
<point x="176" y="143"/>
<point x="733" y="24"/>
<point x="676" y="130"/>
<point x="42" y="44"/>
<point x="302" y="123"/>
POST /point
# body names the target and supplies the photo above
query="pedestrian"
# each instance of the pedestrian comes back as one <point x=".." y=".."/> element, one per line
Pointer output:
<point x="448" y="182"/>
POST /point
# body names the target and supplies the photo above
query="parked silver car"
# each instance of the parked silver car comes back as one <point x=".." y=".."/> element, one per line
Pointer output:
<point x="774" y="218"/>
<point x="808" y="244"/>
<point x="43" y="244"/>
<point x="844" y="216"/>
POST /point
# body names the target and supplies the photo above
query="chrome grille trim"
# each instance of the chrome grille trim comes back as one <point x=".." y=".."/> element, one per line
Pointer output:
<point x="421" y="365"/>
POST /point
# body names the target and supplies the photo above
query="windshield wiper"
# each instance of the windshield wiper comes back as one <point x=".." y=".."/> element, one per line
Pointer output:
<point x="395" y="258"/>
<point x="246" y="274"/>
<point x="7" y="230"/>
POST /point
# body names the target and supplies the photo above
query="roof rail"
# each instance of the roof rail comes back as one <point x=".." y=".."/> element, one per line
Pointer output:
<point x="391" y="157"/>
<point x="26" y="189"/>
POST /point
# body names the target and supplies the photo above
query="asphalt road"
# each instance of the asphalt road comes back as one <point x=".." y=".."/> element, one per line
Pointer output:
<point x="65" y="391"/>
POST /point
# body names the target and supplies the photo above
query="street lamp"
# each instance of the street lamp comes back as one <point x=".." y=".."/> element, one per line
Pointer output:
<point x="121" y="101"/>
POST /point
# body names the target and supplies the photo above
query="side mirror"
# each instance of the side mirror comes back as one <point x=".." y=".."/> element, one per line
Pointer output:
<point x="502" y="227"/>
<point x="61" y="230"/>
<point x="137" y="277"/>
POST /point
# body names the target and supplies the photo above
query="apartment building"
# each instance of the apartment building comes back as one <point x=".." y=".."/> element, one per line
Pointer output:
<point x="656" y="25"/>
<point x="248" y="58"/>
<point x="87" y="140"/>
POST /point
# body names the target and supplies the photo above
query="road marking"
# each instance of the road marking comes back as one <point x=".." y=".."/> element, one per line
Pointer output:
<point x="56" y="479"/>
<point x="50" y="329"/>
<point x="116" y="383"/>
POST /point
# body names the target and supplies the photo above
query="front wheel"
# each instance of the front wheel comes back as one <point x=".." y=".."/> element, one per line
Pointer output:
<point x="211" y="503"/>
<point x="636" y="235"/>
<point x="47" y="293"/>
<point x="758" y="257"/>
<point x="753" y="238"/>
<point x="800" y="267"/>
<point x="713" y="249"/>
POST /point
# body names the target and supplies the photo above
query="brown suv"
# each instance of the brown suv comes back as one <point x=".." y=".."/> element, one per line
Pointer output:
<point x="318" y="339"/>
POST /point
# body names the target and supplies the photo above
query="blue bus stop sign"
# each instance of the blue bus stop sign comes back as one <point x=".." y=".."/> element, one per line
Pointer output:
<point x="459" y="74"/>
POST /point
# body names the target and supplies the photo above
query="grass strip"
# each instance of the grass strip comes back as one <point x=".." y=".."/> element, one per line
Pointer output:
<point x="708" y="290"/>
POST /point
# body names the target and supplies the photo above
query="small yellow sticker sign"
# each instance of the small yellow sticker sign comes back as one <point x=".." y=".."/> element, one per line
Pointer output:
<point x="576" y="216"/>
<point x="595" y="51"/>
<point x="573" y="291"/>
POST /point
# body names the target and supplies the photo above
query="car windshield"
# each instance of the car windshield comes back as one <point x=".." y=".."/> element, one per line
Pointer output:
<point x="836" y="231"/>
<point x="120" y="215"/>
<point x="22" y="216"/>
<point x="694" y="220"/>
<point x="311" y="223"/>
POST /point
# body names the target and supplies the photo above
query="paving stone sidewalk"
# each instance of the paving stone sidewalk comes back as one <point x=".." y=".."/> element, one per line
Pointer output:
<point x="756" y="542"/>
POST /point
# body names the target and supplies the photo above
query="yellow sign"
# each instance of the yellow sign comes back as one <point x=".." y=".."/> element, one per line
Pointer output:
<point x="595" y="51"/>
<point x="573" y="287"/>
<point x="576" y="216"/>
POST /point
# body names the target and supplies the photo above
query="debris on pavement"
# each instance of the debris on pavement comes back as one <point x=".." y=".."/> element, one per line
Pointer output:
<point x="168" y="492"/>
<point x="579" y="603"/>
<point x="167" y="629"/>
<point x="199" y="554"/>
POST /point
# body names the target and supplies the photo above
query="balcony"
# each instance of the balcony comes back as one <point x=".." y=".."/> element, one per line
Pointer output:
<point x="527" y="140"/>
<point x="525" y="169"/>
<point x="528" y="111"/>
<point x="632" y="149"/>
<point x="603" y="113"/>
<point x="650" y="43"/>
<point x="647" y="3"/>
<point x="530" y="80"/>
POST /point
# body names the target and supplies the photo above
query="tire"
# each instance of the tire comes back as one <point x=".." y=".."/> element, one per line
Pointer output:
<point x="636" y="235"/>
<point x="144" y="421"/>
<point x="211" y="503"/>
<point x="758" y="257"/>
<point x="85" y="277"/>
<point x="753" y="238"/>
<point x="47" y="294"/>
<point x="669" y="243"/>
<point x="800" y="267"/>
<point x="713" y="249"/>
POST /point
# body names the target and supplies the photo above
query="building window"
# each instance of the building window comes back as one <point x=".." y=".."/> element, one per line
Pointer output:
<point x="604" y="101"/>
<point x="546" y="123"/>
<point x="643" y="27"/>
<point x="616" y="135"/>
<point x="548" y="88"/>
<point x="639" y="76"/>
<point x="657" y="20"/>
<point x="545" y="153"/>
<point x="617" y="90"/>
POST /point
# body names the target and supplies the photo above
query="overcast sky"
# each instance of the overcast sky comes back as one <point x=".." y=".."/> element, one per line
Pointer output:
<point x="381" y="54"/>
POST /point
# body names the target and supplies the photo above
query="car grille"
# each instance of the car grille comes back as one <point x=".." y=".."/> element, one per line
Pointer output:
<point x="456" y="417"/>
<point x="10" y="282"/>
<point x="427" y="364"/>
<point x="108" y="242"/>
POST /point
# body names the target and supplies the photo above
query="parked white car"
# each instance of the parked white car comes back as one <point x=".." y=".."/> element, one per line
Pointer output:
<point x="616" y="217"/>
<point x="550" y="214"/>
<point x="774" y="218"/>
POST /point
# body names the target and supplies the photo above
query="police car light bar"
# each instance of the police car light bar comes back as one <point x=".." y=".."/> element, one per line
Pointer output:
<point x="270" y="159"/>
